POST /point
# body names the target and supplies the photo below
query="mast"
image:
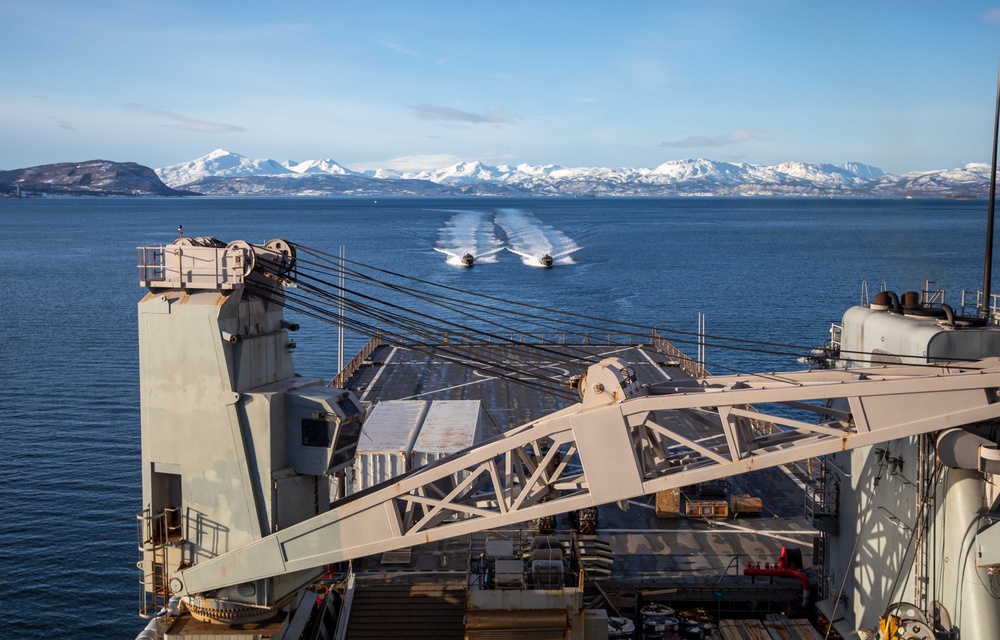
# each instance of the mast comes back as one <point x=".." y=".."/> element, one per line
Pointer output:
<point x="340" y="324"/>
<point x="988" y="262"/>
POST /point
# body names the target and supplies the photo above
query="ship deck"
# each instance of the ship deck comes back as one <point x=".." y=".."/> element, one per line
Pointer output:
<point x="668" y="559"/>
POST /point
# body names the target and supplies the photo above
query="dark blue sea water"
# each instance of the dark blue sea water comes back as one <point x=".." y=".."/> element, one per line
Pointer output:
<point x="778" y="270"/>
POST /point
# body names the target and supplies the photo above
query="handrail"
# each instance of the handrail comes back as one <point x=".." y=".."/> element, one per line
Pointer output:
<point x="156" y="532"/>
<point x="687" y="364"/>
<point x="343" y="616"/>
<point x="352" y="367"/>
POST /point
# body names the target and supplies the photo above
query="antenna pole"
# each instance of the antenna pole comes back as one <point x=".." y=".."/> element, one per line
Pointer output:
<point x="340" y="325"/>
<point x="988" y="263"/>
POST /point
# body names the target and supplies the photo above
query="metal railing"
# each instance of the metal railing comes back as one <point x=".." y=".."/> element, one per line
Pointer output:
<point x="823" y="498"/>
<point x="356" y="362"/>
<point x="977" y="306"/>
<point x="155" y="533"/>
<point x="685" y="362"/>
<point x="152" y="265"/>
<point x="193" y="266"/>
<point x="534" y="338"/>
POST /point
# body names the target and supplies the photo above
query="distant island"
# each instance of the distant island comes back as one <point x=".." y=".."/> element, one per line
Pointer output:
<point x="223" y="173"/>
<point x="90" y="178"/>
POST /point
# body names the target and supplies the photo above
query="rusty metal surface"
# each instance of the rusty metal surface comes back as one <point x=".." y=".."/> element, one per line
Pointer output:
<point x="186" y="627"/>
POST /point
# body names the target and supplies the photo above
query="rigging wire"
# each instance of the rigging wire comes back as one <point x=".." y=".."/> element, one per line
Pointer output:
<point x="405" y="323"/>
<point x="423" y="325"/>
<point x="544" y="323"/>
<point x="500" y="369"/>
<point x="593" y="327"/>
<point x="616" y="324"/>
<point x="434" y="332"/>
<point x="465" y="328"/>
<point x="466" y="359"/>
<point x="401" y="340"/>
<point x="511" y="362"/>
<point x="372" y="311"/>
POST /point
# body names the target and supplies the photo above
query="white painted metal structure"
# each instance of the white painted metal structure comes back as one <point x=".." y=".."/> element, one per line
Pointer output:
<point x="619" y="443"/>
<point x="451" y="426"/>
<point x="912" y="522"/>
<point x="386" y="443"/>
<point x="236" y="447"/>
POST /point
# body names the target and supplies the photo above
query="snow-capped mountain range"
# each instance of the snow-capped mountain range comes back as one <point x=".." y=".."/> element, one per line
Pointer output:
<point x="224" y="173"/>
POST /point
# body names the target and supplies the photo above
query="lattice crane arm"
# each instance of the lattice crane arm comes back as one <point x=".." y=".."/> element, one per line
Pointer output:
<point x="621" y="441"/>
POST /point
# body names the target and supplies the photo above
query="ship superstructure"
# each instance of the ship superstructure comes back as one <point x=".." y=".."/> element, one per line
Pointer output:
<point x="909" y="524"/>
<point x="240" y="454"/>
<point x="235" y="445"/>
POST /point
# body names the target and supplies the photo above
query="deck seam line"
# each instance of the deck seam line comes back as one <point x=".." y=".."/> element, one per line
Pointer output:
<point x="371" y="385"/>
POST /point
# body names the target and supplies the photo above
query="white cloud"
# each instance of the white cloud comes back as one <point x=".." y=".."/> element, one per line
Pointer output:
<point x="181" y="121"/>
<point x="392" y="45"/>
<point x="735" y="136"/>
<point x="450" y="114"/>
<point x="63" y="124"/>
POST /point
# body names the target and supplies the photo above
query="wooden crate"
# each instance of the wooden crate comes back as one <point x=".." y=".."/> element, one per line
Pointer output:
<point x="743" y="630"/>
<point x="668" y="503"/>
<point x="706" y="509"/>
<point x="776" y="627"/>
<point x="745" y="505"/>
<point x="781" y="628"/>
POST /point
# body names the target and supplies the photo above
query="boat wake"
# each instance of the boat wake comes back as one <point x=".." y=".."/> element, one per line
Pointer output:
<point x="469" y="237"/>
<point x="538" y="244"/>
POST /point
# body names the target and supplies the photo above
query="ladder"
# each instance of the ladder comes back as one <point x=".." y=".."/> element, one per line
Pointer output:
<point x="156" y="533"/>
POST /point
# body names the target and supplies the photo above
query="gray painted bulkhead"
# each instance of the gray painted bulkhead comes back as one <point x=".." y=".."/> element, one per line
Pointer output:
<point x="224" y="433"/>
<point x="872" y="562"/>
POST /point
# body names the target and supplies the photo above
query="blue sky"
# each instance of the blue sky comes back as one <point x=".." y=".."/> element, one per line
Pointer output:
<point x="902" y="85"/>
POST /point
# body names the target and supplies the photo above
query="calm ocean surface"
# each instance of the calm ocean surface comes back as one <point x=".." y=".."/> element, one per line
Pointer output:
<point x="779" y="270"/>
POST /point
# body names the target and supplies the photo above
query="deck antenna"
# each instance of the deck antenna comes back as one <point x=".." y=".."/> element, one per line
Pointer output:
<point x="701" y="341"/>
<point x="340" y="324"/>
<point x="988" y="265"/>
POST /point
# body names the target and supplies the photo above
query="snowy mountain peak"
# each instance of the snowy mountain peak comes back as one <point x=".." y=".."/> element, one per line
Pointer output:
<point x="462" y="173"/>
<point x="222" y="172"/>
<point x="537" y="169"/>
<point x="862" y="170"/>
<point x="318" y="166"/>
<point x="219" y="163"/>
<point x="699" y="169"/>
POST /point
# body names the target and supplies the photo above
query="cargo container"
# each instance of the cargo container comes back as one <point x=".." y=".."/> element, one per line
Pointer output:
<point x="386" y="443"/>
<point x="450" y="426"/>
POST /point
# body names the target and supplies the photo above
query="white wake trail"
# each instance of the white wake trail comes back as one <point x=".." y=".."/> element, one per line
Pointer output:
<point x="468" y="233"/>
<point x="530" y="238"/>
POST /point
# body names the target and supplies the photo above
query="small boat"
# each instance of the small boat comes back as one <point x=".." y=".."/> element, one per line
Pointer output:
<point x="546" y="260"/>
<point x="468" y="259"/>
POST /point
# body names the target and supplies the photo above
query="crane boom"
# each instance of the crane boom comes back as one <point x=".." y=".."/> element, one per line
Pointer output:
<point x="621" y="441"/>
